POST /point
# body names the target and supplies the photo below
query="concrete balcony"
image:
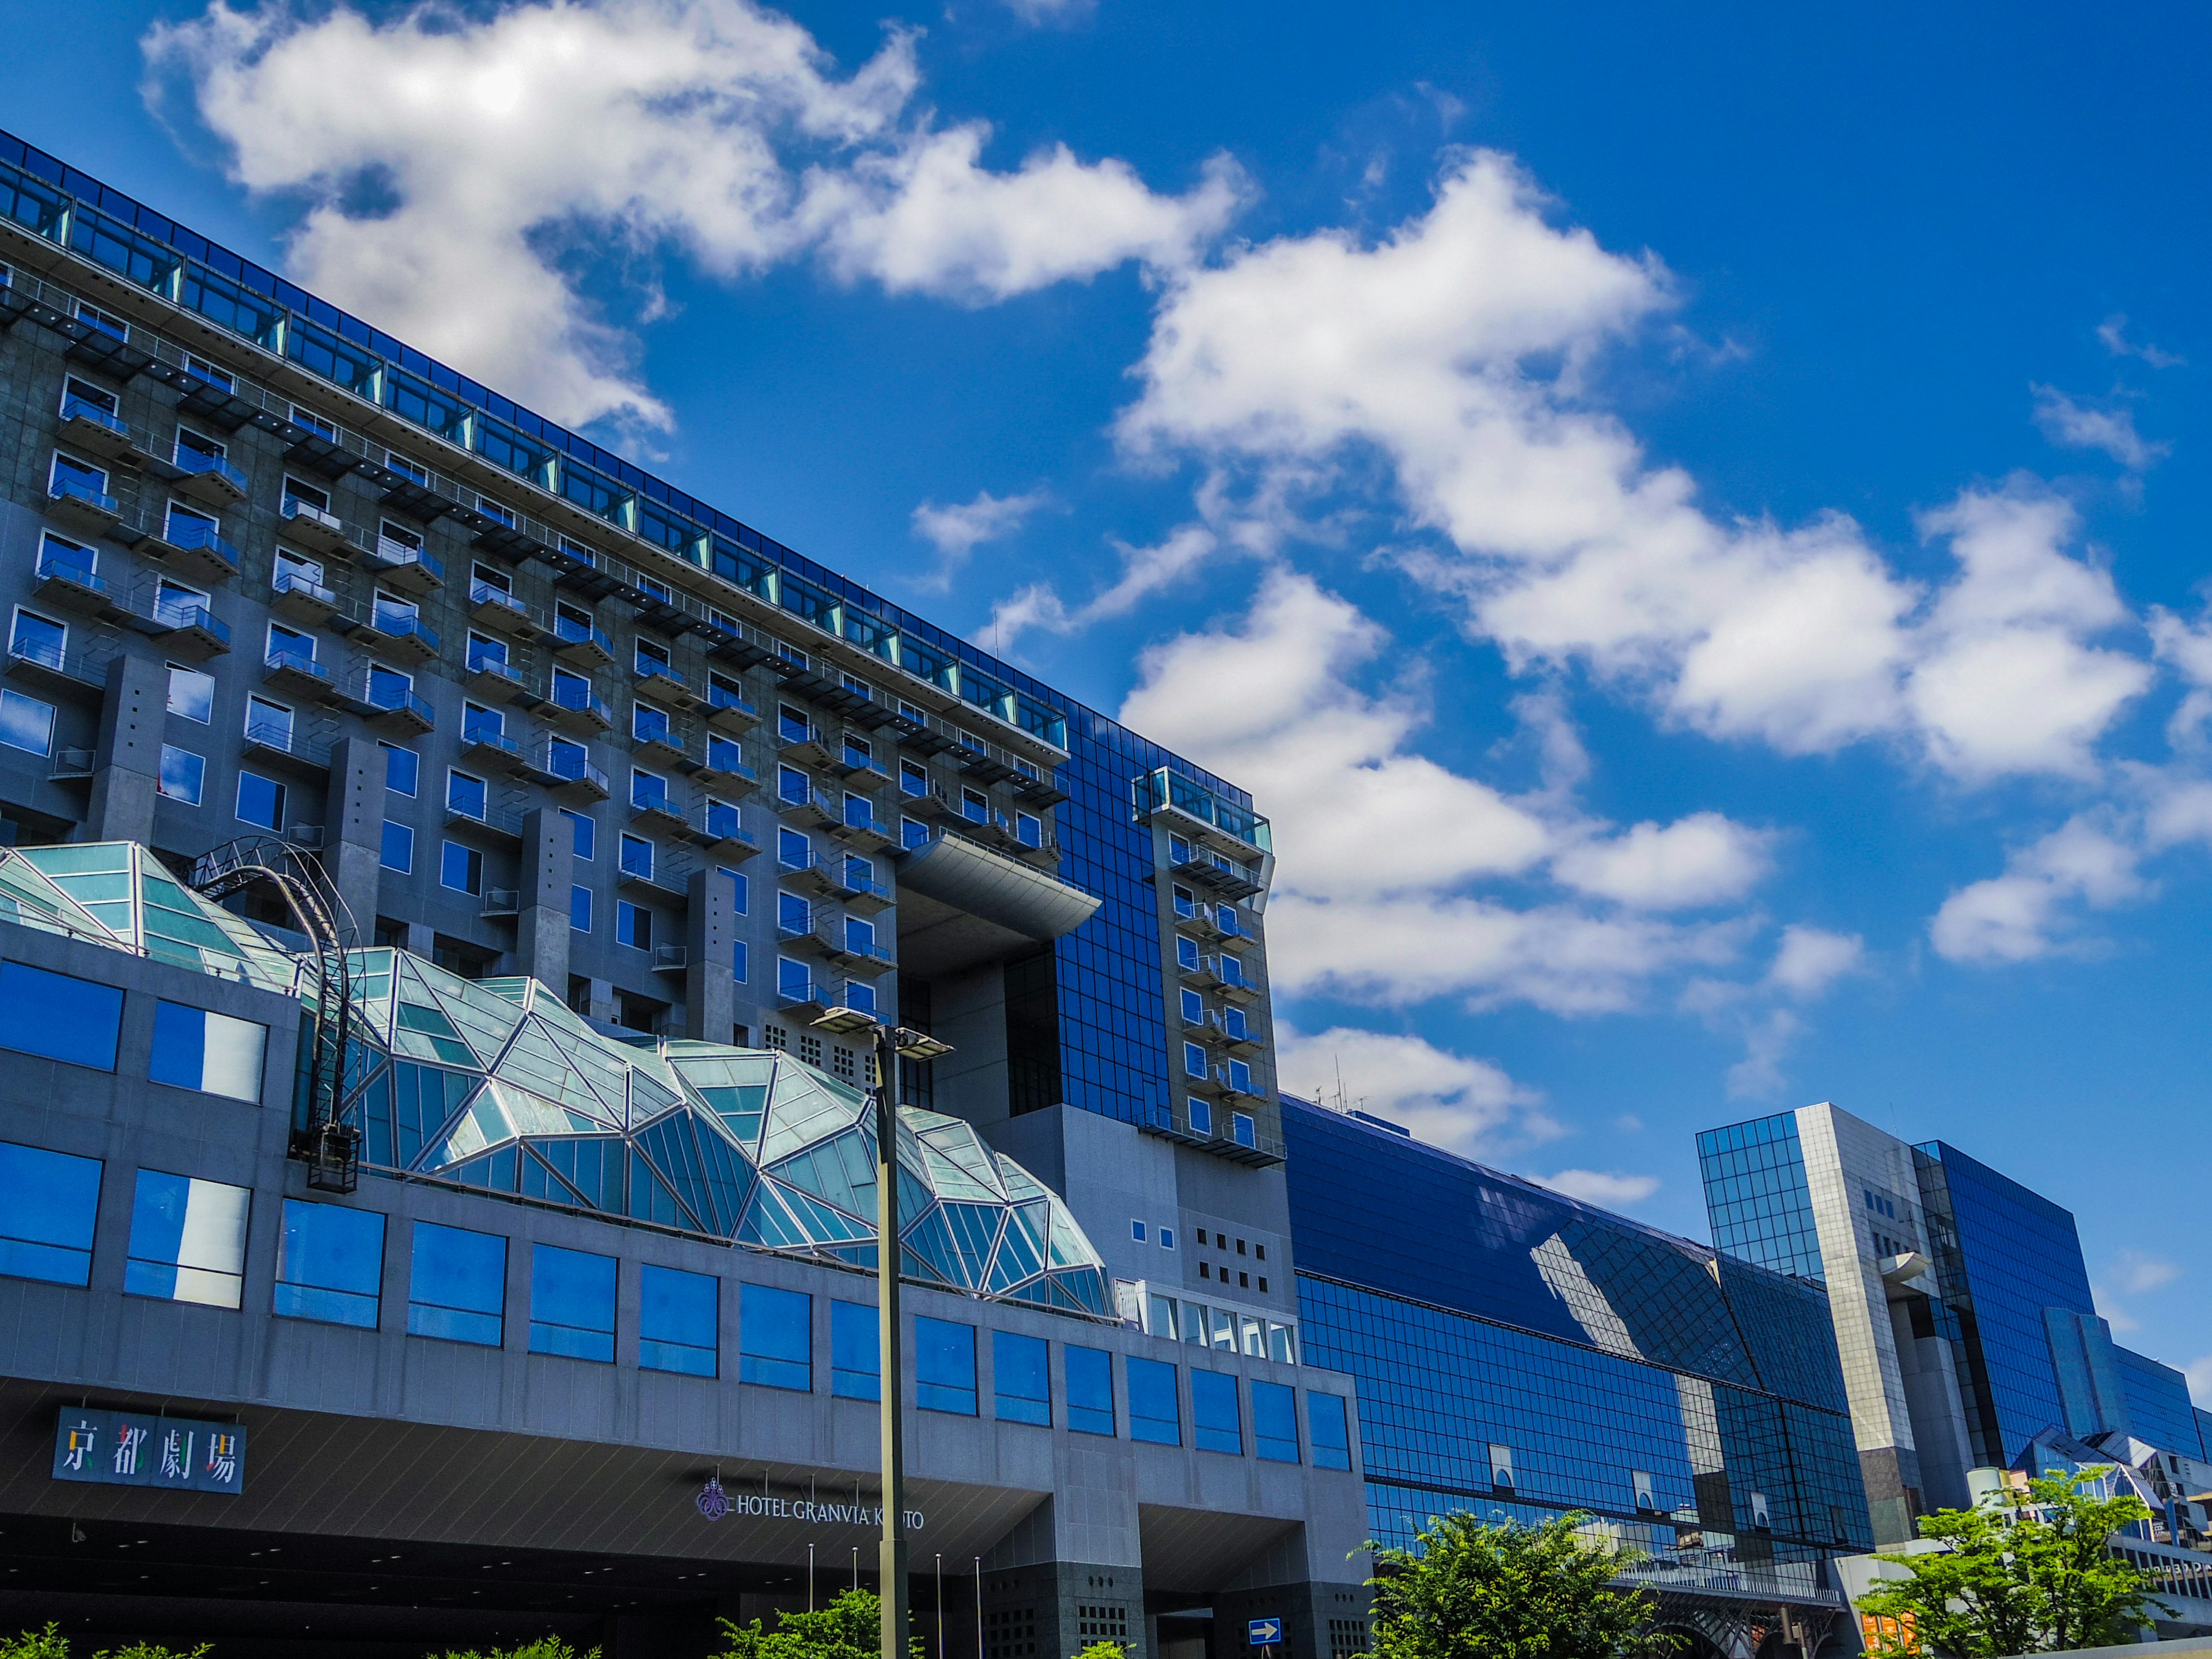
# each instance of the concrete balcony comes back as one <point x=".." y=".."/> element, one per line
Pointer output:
<point x="88" y="511"/>
<point x="498" y="610"/>
<point x="301" y="599"/>
<point x="313" y="527"/>
<point x="412" y="569"/>
<point x="208" y="479"/>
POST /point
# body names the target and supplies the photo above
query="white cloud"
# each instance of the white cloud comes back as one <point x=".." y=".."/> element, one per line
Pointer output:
<point x="2024" y="913"/>
<point x="1446" y="1099"/>
<point x="957" y="530"/>
<point x="1608" y="1189"/>
<point x="2186" y="649"/>
<point x="2075" y="426"/>
<point x="2199" y="1372"/>
<point x="1810" y="959"/>
<point x="1701" y="859"/>
<point x="2113" y="332"/>
<point x="455" y="165"/>
<point x="1456" y="351"/>
<point x="2136" y="1274"/>
<point x="1144" y="571"/>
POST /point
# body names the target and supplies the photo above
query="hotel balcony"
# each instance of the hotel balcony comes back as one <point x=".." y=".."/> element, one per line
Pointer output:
<point x="85" y="426"/>
<point x="493" y="676"/>
<point x="301" y="675"/>
<point x="301" y="598"/>
<point x="486" y="745"/>
<point x="652" y="809"/>
<point x="728" y="712"/>
<point x="88" y="511"/>
<point x="413" y="569"/>
<point x="495" y="608"/>
<point x="1198" y="814"/>
<point x="724" y="769"/>
<point x="397" y="705"/>
<point x="67" y="585"/>
<point x="580" y="709"/>
<point x="185" y="625"/>
<point x="280" y="744"/>
<point x="664" y="685"/>
<point x="863" y="827"/>
<point x="193" y="546"/>
<point x="315" y="527"/>
<point x="209" y="479"/>
<point x="814" y="809"/>
<point x="662" y="880"/>
<point x="564" y="769"/>
<point x="718" y="831"/>
<point x="804" y="745"/>
<point x="583" y="645"/>
<point x="392" y="634"/>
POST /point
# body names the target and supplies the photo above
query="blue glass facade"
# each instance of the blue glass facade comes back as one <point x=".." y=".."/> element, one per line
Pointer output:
<point x="1756" y="1196"/>
<point x="1624" y="1372"/>
<point x="2159" y="1407"/>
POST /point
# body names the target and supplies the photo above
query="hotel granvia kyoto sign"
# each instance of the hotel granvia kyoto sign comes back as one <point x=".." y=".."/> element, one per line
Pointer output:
<point x="717" y="1502"/>
<point x="129" y="1448"/>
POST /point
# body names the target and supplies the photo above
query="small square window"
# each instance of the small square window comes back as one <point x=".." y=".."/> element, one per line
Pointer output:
<point x="466" y="794"/>
<point x="633" y="925"/>
<point x="1137" y="1230"/>
<point x="398" y="853"/>
<point x="191" y="694"/>
<point x="583" y="834"/>
<point x="261" y="801"/>
<point x="403" y="769"/>
<point x="184" y="775"/>
<point x="580" y="909"/>
<point x="1167" y="1238"/>
<point x="461" y="868"/>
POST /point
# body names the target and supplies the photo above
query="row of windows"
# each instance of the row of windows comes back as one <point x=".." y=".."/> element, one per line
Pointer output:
<point x="61" y="1017"/>
<point x="188" y="1243"/>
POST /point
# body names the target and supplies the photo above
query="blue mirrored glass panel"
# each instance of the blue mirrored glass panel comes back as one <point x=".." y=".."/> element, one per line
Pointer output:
<point x="945" y="1366"/>
<point x="678" y="1327"/>
<point x="1090" y="1389"/>
<point x="1155" y="1414"/>
<point x="49" y="1202"/>
<point x="329" y="1264"/>
<point x="59" y="1016"/>
<point x="1327" y="1431"/>
<point x="1274" y="1422"/>
<point x="856" y="1351"/>
<point x="572" y="1303"/>
<point x="458" y="1289"/>
<point x="1020" y="1378"/>
<point x="187" y="1240"/>
<point x="1213" y="1415"/>
<point x="215" y="1053"/>
<point x="775" y="1337"/>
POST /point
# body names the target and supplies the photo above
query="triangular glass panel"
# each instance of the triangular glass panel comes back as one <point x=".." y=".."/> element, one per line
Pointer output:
<point x="825" y="1171"/>
<point x="592" y="1164"/>
<point x="975" y="1231"/>
<point x="651" y="1198"/>
<point x="822" y="1224"/>
<point x="1021" y="1247"/>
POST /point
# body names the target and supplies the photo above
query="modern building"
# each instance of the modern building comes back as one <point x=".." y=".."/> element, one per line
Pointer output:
<point x="1520" y="1353"/>
<point x="337" y="682"/>
<point x="1960" y="1299"/>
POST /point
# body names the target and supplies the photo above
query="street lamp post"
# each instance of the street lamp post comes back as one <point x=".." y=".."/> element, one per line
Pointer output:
<point x="891" y="1044"/>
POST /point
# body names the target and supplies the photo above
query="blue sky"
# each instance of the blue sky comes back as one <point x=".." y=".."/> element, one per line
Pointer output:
<point x="1691" y="525"/>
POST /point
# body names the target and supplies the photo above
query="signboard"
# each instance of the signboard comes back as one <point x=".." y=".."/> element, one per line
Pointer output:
<point x="129" y="1448"/>
<point x="717" y="1502"/>
<point x="1264" y="1632"/>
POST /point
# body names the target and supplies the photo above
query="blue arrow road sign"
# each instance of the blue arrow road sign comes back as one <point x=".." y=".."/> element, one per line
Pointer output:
<point x="1264" y="1632"/>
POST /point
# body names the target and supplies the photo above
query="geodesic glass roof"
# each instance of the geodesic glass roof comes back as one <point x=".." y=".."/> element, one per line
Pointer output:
<point x="496" y="1084"/>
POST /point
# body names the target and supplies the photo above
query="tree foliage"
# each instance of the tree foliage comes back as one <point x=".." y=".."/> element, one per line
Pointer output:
<point x="1102" y="1651"/>
<point x="850" y="1627"/>
<point x="1471" y="1589"/>
<point x="545" y="1647"/>
<point x="2019" y="1575"/>
<point x="51" y="1644"/>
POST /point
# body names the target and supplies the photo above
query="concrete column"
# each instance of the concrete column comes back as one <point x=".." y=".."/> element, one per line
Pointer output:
<point x="353" y="831"/>
<point x="544" y="871"/>
<point x="127" y="765"/>
<point x="710" y="945"/>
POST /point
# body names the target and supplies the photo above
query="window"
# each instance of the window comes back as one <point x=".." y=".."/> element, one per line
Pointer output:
<point x="793" y="982"/>
<point x="913" y="833"/>
<point x="1155" y="1414"/>
<point x="74" y="391"/>
<point x="405" y="468"/>
<point x="775" y="1337"/>
<point x="791" y="724"/>
<point x="740" y="891"/>
<point x="914" y="778"/>
<point x="402" y="769"/>
<point x="793" y="786"/>
<point x="1232" y="1023"/>
<point x="70" y="477"/>
<point x="25" y="723"/>
<point x="1501" y="1467"/>
<point x="461" y="868"/>
<point x="636" y="857"/>
<point x="1090" y="1389"/>
<point x="677" y="1322"/>
<point x="388" y="687"/>
<point x="1137" y="1230"/>
<point x="215" y="1053"/>
<point x="633" y="925"/>
<point x="794" y="915"/>
<point x="314" y="424"/>
<point x="944" y="1366"/>
<point x="1193" y="1008"/>
<point x="582" y="835"/>
<point x="723" y="756"/>
<point x="1167" y="1238"/>
<point x="261" y="800"/>
<point x="647" y="789"/>
<point x="1216" y="1425"/>
<point x="47" y="1224"/>
<point x="1020" y="1378"/>
<point x="1201" y="1116"/>
<point x="398" y="852"/>
<point x="207" y="371"/>
<point x="106" y="321"/>
<point x="1233" y="969"/>
<point x="647" y="723"/>
<point x="1029" y="829"/>
<point x="1327" y="1432"/>
<point x="458" y="1292"/>
<point x="289" y="643"/>
<point x="329" y="1264"/>
<point x="187" y="1240"/>
<point x="466" y="794"/>
<point x="792" y="850"/>
<point x="40" y="639"/>
<point x="1193" y="1061"/>
<point x="482" y="724"/>
<point x="1186" y="954"/>
<point x="59" y="1016"/>
<point x="856" y="1363"/>
<point x="184" y="775"/>
<point x="580" y="909"/>
<point x="652" y="657"/>
<point x="1274" y="1422"/>
<point x="974" y="806"/>
<point x="572" y="1303"/>
<point x="1242" y="1130"/>
<point x="859" y="812"/>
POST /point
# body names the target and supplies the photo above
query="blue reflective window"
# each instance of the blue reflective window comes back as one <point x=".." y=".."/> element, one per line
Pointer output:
<point x="1155" y="1414"/>
<point x="775" y="1337"/>
<point x="458" y="1289"/>
<point x="583" y="834"/>
<point x="58" y="1016"/>
<point x="1327" y="1431"/>
<point x="678" y="1327"/>
<point x="329" y="1264"/>
<point x="397" y="851"/>
<point x="856" y="1351"/>
<point x="1215" y="1423"/>
<point x="792" y="851"/>
<point x="1020" y="1378"/>
<point x="51" y="1203"/>
<point x="1090" y="1389"/>
<point x="215" y="1053"/>
<point x="572" y="1303"/>
<point x="794" y="915"/>
<point x="1274" y="1422"/>
<point x="261" y="801"/>
<point x="945" y="1366"/>
<point x="403" y="769"/>
<point x="187" y="1240"/>
<point x="461" y="868"/>
<point x="580" y="909"/>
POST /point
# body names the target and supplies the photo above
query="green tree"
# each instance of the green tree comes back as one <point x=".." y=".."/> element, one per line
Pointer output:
<point x="850" y="1627"/>
<point x="2031" y="1574"/>
<point x="51" y="1644"/>
<point x="1469" y="1589"/>
<point x="545" y="1647"/>
<point x="1102" y="1651"/>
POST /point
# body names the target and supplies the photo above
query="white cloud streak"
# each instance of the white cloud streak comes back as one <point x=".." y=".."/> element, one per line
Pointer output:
<point x="1463" y="1104"/>
<point x="957" y="530"/>
<point x="1609" y="1189"/>
<point x="2112" y="331"/>
<point x="2074" y="425"/>
<point x="457" y="169"/>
